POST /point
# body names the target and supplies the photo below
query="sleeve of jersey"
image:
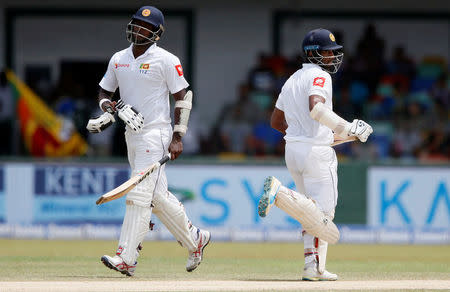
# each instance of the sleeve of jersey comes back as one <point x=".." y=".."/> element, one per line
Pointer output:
<point x="279" y="104"/>
<point x="174" y="75"/>
<point x="109" y="80"/>
<point x="320" y="84"/>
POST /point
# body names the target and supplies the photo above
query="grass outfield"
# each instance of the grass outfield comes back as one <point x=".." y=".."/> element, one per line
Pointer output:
<point x="30" y="260"/>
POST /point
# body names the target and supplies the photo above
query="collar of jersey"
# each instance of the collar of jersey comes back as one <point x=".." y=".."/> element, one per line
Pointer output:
<point x="149" y="50"/>
<point x="310" y="65"/>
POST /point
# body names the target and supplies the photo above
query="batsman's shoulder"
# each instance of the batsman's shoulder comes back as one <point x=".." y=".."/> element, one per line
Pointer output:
<point x="117" y="56"/>
<point x="120" y="54"/>
<point x="168" y="56"/>
<point x="318" y="71"/>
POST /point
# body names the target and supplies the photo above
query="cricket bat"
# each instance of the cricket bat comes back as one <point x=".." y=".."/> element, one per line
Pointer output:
<point x="338" y="142"/>
<point x="127" y="186"/>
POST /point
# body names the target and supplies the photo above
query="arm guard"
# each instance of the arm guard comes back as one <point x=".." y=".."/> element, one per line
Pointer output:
<point x="327" y="117"/>
<point x="185" y="106"/>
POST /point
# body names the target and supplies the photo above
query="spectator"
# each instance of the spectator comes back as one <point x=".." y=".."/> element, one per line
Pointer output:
<point x="101" y="143"/>
<point x="262" y="78"/>
<point x="235" y="132"/>
<point x="369" y="61"/>
<point x="435" y="147"/>
<point x="440" y="92"/>
<point x="266" y="140"/>
<point x="193" y="138"/>
<point x="406" y="141"/>
<point x="401" y="64"/>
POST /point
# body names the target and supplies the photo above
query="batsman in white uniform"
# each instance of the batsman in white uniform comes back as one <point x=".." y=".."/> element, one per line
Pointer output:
<point x="304" y="113"/>
<point x="146" y="74"/>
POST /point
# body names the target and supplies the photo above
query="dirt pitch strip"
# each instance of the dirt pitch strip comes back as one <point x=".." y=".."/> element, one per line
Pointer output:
<point x="223" y="285"/>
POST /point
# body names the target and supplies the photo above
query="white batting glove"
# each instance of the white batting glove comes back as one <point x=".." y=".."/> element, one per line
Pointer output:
<point x="98" y="124"/>
<point x="360" y="129"/>
<point x="130" y="116"/>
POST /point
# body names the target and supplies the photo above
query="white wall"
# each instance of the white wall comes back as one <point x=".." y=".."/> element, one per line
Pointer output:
<point x="53" y="39"/>
<point x="225" y="52"/>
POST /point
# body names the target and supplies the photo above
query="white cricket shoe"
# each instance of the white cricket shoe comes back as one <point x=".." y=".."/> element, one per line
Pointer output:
<point x="195" y="258"/>
<point x="116" y="263"/>
<point x="271" y="187"/>
<point x="311" y="274"/>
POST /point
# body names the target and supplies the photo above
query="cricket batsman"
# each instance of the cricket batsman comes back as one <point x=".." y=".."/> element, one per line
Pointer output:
<point x="304" y="114"/>
<point x="146" y="75"/>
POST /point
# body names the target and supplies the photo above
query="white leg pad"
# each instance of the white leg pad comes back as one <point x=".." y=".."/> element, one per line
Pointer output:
<point x="305" y="211"/>
<point x="172" y="214"/>
<point x="142" y="194"/>
<point x="135" y="227"/>
<point x="322" y="253"/>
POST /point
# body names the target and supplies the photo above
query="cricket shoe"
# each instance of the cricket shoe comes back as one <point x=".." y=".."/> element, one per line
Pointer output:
<point x="116" y="263"/>
<point x="312" y="274"/>
<point x="271" y="187"/>
<point x="195" y="258"/>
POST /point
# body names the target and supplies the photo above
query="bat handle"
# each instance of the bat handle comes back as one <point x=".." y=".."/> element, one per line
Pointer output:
<point x="164" y="159"/>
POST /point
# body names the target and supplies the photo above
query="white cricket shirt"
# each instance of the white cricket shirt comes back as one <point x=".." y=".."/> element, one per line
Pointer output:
<point x="145" y="82"/>
<point x="294" y="102"/>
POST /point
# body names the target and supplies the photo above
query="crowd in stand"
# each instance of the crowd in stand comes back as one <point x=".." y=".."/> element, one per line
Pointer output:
<point x="406" y="102"/>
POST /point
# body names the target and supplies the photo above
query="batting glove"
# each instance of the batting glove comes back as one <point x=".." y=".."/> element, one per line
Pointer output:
<point x="130" y="116"/>
<point x="360" y="129"/>
<point x="98" y="124"/>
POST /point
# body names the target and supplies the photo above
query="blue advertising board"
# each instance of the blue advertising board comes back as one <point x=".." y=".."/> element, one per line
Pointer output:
<point x="67" y="194"/>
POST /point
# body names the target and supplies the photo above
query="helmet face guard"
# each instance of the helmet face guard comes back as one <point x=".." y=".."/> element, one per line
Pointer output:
<point x="329" y="66"/>
<point x="140" y="35"/>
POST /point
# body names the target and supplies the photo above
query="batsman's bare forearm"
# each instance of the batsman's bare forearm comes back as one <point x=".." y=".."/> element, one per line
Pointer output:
<point x="104" y="94"/>
<point x="107" y="106"/>
<point x="278" y="122"/>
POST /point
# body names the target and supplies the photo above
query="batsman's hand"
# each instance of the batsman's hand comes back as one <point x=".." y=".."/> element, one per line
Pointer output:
<point x="130" y="116"/>
<point x="98" y="124"/>
<point x="108" y="106"/>
<point x="176" y="146"/>
<point x="360" y="129"/>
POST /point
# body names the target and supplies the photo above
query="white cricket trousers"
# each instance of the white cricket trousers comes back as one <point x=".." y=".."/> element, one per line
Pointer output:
<point x="144" y="149"/>
<point x="314" y="170"/>
<point x="152" y="194"/>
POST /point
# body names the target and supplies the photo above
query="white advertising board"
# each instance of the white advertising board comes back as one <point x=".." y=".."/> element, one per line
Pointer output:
<point x="227" y="196"/>
<point x="413" y="197"/>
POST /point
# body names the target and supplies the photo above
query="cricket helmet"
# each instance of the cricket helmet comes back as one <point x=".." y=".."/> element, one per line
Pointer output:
<point x="318" y="40"/>
<point x="150" y="15"/>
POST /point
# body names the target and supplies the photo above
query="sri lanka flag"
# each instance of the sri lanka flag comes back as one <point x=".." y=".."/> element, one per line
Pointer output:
<point x="44" y="133"/>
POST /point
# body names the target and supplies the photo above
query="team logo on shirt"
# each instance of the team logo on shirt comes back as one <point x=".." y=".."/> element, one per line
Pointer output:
<point x="179" y="70"/>
<point x="144" y="67"/>
<point x="319" y="81"/>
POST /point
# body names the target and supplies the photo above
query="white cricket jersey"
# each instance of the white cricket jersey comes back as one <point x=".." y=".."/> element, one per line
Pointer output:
<point x="145" y="82"/>
<point x="294" y="102"/>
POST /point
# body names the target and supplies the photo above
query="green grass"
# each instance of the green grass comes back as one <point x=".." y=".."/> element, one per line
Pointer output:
<point x="53" y="260"/>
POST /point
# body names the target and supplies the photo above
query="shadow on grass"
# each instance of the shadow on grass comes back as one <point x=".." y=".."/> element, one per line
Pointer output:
<point x="271" y="280"/>
<point x="96" y="277"/>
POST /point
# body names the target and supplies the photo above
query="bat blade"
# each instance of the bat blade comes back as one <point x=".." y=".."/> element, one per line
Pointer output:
<point x="338" y="142"/>
<point x="127" y="186"/>
<point x="119" y="191"/>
